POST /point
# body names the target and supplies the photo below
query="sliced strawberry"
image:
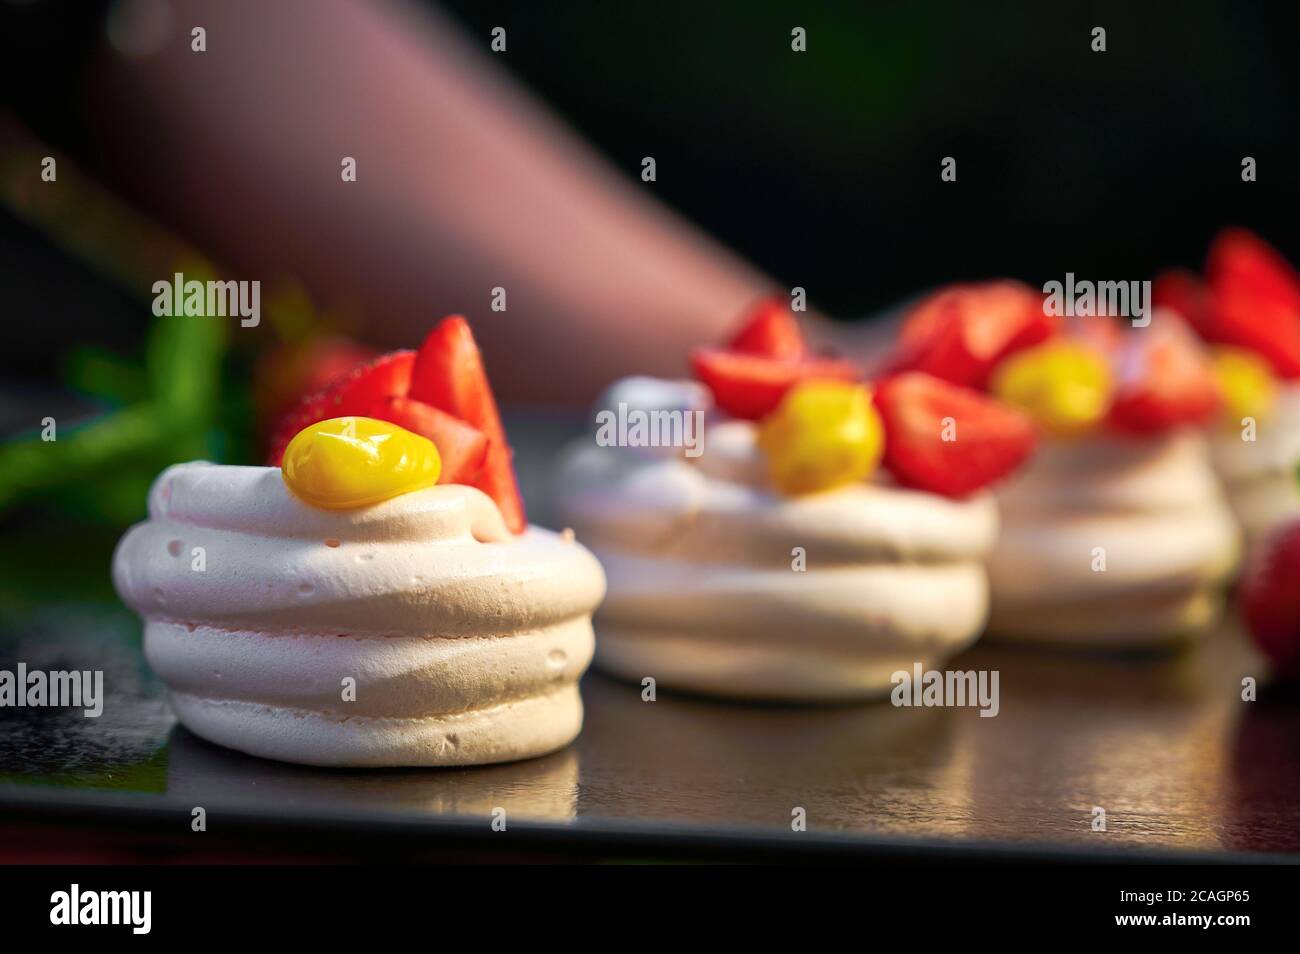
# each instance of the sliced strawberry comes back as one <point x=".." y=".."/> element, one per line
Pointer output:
<point x="1263" y="324"/>
<point x="960" y="333"/>
<point x="750" y="386"/>
<point x="1254" y="299"/>
<point x="771" y="332"/>
<point x="449" y="375"/>
<point x="762" y="361"/>
<point x="1182" y="292"/>
<point x="462" y="447"/>
<point x="988" y="438"/>
<point x="1241" y="258"/>
<point x="1270" y="599"/>
<point x="288" y="371"/>
<point x="1164" y="380"/>
<point x="353" y="395"/>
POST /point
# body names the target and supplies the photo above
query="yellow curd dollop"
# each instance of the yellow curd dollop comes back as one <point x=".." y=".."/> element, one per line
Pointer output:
<point x="824" y="434"/>
<point x="349" y="462"/>
<point x="1065" y="387"/>
<point x="1247" y="383"/>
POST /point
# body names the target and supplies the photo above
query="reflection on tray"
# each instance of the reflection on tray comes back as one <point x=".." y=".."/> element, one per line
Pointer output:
<point x="543" y="789"/>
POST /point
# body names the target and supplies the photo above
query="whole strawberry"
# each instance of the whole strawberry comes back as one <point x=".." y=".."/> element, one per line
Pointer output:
<point x="1270" y="599"/>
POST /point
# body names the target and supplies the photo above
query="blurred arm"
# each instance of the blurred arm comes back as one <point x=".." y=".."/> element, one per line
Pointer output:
<point x="464" y="183"/>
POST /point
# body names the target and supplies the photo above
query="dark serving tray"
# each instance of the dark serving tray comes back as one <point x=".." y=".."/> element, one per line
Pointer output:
<point x="1183" y="768"/>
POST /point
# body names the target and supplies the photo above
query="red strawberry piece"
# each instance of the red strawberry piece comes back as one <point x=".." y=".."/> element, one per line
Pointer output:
<point x="988" y="438"/>
<point x="1270" y="599"/>
<point x="351" y="396"/>
<point x="1182" y="292"/>
<point x="960" y="333"/>
<point x="1164" y="380"/>
<point x="449" y="375"/>
<point x="1264" y="324"/>
<point x="462" y="447"/>
<point x="1239" y="257"/>
<point x="287" y="372"/>
<point x="771" y="332"/>
<point x="750" y="386"/>
<point x="1255" y="299"/>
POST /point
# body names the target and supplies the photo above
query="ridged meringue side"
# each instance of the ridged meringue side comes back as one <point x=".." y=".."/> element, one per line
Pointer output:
<point x="1260" y="476"/>
<point x="1149" y="511"/>
<point x="465" y="642"/>
<point x="703" y="594"/>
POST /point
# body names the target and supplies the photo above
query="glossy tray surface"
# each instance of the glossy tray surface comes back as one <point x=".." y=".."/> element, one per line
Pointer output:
<point x="1164" y="744"/>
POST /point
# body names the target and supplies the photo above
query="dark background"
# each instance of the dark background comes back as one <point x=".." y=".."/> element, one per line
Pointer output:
<point x="823" y="167"/>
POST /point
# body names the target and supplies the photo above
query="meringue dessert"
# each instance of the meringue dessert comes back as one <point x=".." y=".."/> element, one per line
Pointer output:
<point x="773" y="561"/>
<point x="1260" y="464"/>
<point x="1248" y="310"/>
<point x="367" y="603"/>
<point x="1116" y="535"/>
<point x="1111" y="542"/>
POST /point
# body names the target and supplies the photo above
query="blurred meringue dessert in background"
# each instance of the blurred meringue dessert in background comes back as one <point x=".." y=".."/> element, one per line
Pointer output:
<point x="804" y="539"/>
<point x="375" y="597"/>
<point x="1247" y="309"/>
<point x="1116" y="534"/>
